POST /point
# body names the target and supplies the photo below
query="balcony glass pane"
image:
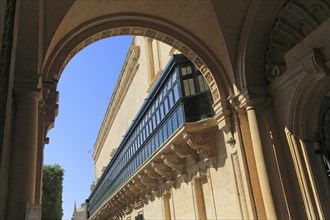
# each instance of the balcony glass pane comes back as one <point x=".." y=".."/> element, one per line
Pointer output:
<point x="191" y="86"/>
<point x="186" y="87"/>
<point x="176" y="93"/>
<point x="162" y="114"/>
<point x="166" y="106"/>
<point x="170" y="98"/>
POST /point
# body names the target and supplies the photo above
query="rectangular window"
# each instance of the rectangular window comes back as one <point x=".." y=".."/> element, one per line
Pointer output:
<point x="154" y="121"/>
<point x="162" y="114"/>
<point x="189" y="69"/>
<point x="170" y="98"/>
<point x="158" y="116"/>
<point x="165" y="132"/>
<point x="191" y="86"/>
<point x="169" y="127"/>
<point x="150" y="126"/>
<point x="166" y="106"/>
<point x="176" y="93"/>
<point x="174" y="77"/>
<point x="183" y="71"/>
<point x="186" y="87"/>
<point x="175" y="121"/>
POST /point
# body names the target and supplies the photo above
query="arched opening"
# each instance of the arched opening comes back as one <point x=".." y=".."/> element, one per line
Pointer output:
<point x="82" y="38"/>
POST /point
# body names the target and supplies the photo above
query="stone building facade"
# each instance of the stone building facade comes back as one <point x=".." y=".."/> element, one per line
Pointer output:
<point x="266" y="64"/>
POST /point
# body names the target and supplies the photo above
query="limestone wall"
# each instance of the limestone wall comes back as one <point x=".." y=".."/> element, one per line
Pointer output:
<point x="132" y="95"/>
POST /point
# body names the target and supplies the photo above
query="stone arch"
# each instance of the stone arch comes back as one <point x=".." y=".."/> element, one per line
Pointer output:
<point x="270" y="30"/>
<point x="142" y="25"/>
<point x="306" y="102"/>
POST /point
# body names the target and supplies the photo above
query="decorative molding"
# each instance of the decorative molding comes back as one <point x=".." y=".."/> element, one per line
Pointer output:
<point x="184" y="151"/>
<point x="240" y="186"/>
<point x="139" y="185"/>
<point x="294" y="22"/>
<point x="200" y="141"/>
<point x="173" y="161"/>
<point x="223" y="114"/>
<point x="163" y="170"/>
<point x="147" y="181"/>
<point x="154" y="175"/>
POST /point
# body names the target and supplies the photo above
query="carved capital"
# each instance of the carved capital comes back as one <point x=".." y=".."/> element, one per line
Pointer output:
<point x="223" y="112"/>
<point x="200" y="141"/>
<point x="184" y="151"/>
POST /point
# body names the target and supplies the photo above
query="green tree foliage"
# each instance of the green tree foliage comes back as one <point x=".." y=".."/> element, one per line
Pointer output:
<point x="52" y="192"/>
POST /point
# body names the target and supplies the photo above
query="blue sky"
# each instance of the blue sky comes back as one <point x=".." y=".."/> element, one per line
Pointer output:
<point x="85" y="89"/>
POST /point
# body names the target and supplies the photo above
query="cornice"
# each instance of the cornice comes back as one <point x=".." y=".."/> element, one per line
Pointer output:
<point x="124" y="81"/>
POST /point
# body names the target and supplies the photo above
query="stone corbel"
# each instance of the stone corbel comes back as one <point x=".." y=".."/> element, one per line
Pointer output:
<point x="147" y="181"/>
<point x="137" y="183"/>
<point x="138" y="204"/>
<point x="174" y="162"/>
<point x="154" y="175"/>
<point x="122" y="197"/>
<point x="201" y="142"/>
<point x="163" y="170"/>
<point x="128" y="210"/>
<point x="133" y="189"/>
<point x="184" y="151"/>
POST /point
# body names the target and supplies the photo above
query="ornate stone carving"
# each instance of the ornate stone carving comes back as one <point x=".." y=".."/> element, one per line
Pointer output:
<point x="152" y="34"/>
<point x="184" y="151"/>
<point x="137" y="183"/>
<point x="149" y="182"/>
<point x="153" y="174"/>
<point x="294" y="22"/>
<point x="133" y="188"/>
<point x="201" y="142"/>
<point x="162" y="170"/>
<point x="240" y="186"/>
<point x="173" y="161"/>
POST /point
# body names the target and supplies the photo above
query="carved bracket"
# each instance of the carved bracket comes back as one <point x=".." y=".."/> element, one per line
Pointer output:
<point x="184" y="151"/>
<point x="174" y="162"/>
<point x="200" y="141"/>
<point x="147" y="181"/>
<point x="154" y="175"/>
<point x="162" y="170"/>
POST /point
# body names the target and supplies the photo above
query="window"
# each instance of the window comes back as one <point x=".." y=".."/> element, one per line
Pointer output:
<point x="193" y="81"/>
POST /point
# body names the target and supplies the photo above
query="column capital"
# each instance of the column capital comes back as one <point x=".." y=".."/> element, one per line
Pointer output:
<point x="252" y="97"/>
<point x="27" y="95"/>
<point x="223" y="113"/>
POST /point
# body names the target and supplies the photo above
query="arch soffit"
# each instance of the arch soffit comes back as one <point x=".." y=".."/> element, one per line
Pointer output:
<point x="253" y="43"/>
<point x="139" y="24"/>
<point x="272" y="28"/>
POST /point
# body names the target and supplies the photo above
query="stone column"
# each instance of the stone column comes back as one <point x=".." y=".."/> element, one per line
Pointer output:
<point x="23" y="161"/>
<point x="260" y="163"/>
<point x="244" y="130"/>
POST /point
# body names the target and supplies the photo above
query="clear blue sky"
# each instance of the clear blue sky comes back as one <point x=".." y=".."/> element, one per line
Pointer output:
<point x="85" y="89"/>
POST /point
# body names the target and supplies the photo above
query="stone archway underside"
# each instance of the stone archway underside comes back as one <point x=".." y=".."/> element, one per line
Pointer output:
<point x="141" y="31"/>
